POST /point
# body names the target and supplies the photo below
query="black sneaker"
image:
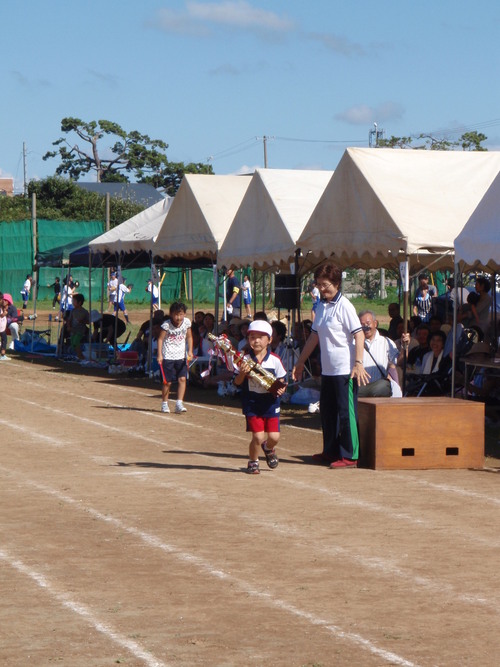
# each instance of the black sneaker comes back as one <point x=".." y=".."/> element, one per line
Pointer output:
<point x="271" y="458"/>
<point x="253" y="468"/>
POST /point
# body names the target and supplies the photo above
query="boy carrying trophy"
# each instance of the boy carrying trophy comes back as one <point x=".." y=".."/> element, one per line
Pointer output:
<point x="261" y="405"/>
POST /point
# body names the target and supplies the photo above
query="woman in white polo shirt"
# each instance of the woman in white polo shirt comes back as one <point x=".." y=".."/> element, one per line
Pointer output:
<point x="338" y="331"/>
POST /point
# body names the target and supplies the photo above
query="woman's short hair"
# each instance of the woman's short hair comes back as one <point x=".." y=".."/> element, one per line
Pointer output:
<point x="330" y="272"/>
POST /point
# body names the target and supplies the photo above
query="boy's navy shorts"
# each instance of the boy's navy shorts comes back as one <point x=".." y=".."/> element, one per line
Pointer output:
<point x="174" y="369"/>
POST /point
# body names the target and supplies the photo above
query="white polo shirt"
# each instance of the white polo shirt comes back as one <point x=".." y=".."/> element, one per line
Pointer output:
<point x="336" y="322"/>
<point x="384" y="351"/>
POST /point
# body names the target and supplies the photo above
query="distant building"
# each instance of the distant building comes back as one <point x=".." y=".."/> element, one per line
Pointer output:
<point x="6" y="187"/>
<point x="137" y="193"/>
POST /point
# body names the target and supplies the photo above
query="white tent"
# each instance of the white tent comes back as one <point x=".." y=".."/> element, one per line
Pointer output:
<point x="478" y="244"/>
<point x="272" y="215"/>
<point x="383" y="205"/>
<point x="134" y="234"/>
<point x="203" y="210"/>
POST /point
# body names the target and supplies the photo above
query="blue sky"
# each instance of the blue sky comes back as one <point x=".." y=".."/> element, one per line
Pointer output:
<point x="213" y="78"/>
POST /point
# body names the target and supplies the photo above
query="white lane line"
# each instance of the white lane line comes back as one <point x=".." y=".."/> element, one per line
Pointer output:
<point x="225" y="411"/>
<point x="380" y="565"/>
<point x="447" y="488"/>
<point x="19" y="428"/>
<point x="340" y="497"/>
<point x="81" y="610"/>
<point x="206" y="567"/>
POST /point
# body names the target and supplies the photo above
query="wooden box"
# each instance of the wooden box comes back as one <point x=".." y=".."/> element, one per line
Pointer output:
<point x="419" y="433"/>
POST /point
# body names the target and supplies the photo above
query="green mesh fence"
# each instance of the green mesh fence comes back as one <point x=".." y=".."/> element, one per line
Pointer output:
<point x="16" y="254"/>
<point x="16" y="261"/>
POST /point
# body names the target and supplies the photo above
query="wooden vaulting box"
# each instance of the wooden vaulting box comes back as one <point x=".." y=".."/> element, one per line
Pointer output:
<point x="419" y="433"/>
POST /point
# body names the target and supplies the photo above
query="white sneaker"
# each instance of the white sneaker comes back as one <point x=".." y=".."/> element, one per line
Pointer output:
<point x="164" y="407"/>
<point x="179" y="407"/>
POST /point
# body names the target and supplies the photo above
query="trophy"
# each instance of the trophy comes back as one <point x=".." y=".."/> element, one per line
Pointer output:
<point x="266" y="379"/>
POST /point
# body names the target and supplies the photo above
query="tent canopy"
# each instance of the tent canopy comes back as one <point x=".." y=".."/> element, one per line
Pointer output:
<point x="383" y="204"/>
<point x="201" y="214"/>
<point x="61" y="255"/>
<point x="134" y="234"/>
<point x="271" y="217"/>
<point x="478" y="244"/>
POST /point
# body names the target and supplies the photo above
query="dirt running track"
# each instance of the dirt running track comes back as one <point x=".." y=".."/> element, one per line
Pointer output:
<point x="132" y="537"/>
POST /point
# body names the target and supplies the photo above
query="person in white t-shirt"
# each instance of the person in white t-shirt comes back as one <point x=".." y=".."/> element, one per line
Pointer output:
<point x="247" y="296"/>
<point x="112" y="288"/>
<point x="119" y="299"/>
<point x="25" y="292"/>
<point x="316" y="298"/>
<point x="174" y="337"/>
<point x="337" y="329"/>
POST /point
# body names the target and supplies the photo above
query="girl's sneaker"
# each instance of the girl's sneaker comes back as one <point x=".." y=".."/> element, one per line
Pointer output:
<point x="164" y="407"/>
<point x="179" y="407"/>
<point x="253" y="468"/>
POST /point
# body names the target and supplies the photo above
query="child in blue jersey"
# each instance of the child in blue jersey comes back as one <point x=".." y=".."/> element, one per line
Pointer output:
<point x="260" y="407"/>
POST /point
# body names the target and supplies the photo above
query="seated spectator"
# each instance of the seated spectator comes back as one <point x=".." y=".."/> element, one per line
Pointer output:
<point x="199" y="316"/>
<point x="233" y="332"/>
<point x="379" y="359"/>
<point x="3" y="328"/>
<point x="242" y="345"/>
<point x="435" y="324"/>
<point x="435" y="360"/>
<point x="13" y="320"/>
<point x="140" y="343"/>
<point x="434" y="370"/>
<point x="278" y="341"/>
<point x="107" y="323"/>
<point x="260" y="315"/>
<point x="416" y="355"/>
<point x="396" y="319"/>
<point x="467" y="313"/>
<point x="413" y="323"/>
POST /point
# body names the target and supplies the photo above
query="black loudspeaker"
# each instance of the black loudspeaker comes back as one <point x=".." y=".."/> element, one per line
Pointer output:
<point x="286" y="291"/>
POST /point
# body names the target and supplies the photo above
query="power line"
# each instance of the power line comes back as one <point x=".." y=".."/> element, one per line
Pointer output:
<point x="324" y="141"/>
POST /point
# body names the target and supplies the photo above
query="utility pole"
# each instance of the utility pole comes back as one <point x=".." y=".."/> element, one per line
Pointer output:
<point x="374" y="136"/>
<point x="264" y="141"/>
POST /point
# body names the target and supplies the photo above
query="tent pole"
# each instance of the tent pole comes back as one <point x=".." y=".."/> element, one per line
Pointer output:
<point x="216" y="304"/>
<point x="35" y="271"/>
<point x="90" y="304"/>
<point x="149" y="360"/>
<point x="404" y="269"/>
<point x="454" y="330"/>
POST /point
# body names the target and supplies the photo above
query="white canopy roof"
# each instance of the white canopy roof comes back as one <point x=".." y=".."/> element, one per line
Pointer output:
<point x="203" y="210"/>
<point x="134" y="234"/>
<point x="272" y="215"/>
<point x="478" y="244"/>
<point x="382" y="204"/>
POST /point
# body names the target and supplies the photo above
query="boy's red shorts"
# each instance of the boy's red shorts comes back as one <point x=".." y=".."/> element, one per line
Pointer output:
<point x="263" y="424"/>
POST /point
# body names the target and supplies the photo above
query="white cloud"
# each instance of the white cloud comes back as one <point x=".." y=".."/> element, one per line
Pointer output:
<point x="199" y="18"/>
<point x="238" y="13"/>
<point x="366" y="115"/>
